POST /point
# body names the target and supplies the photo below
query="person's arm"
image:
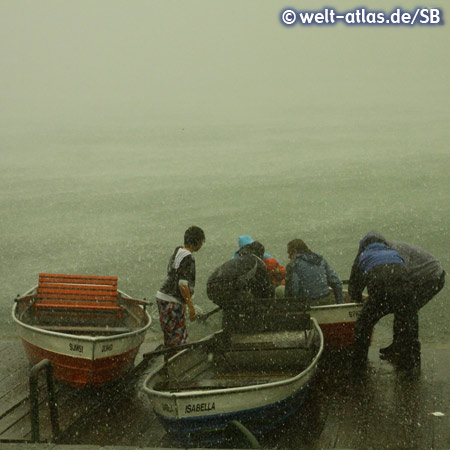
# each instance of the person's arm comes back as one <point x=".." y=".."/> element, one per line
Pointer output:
<point x="268" y="286"/>
<point x="356" y="283"/>
<point x="282" y="272"/>
<point x="295" y="285"/>
<point x="288" y="289"/>
<point x="186" y="280"/>
<point x="335" y="283"/>
<point x="186" y="293"/>
<point x="260" y="284"/>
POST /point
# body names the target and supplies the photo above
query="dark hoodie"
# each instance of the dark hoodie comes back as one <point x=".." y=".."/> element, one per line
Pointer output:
<point x="373" y="251"/>
<point x="239" y="278"/>
<point x="421" y="265"/>
<point x="311" y="277"/>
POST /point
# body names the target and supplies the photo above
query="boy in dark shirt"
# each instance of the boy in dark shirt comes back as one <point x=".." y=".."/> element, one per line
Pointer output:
<point x="177" y="291"/>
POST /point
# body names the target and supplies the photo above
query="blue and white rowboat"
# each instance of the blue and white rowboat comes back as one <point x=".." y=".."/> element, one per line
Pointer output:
<point x="258" y="379"/>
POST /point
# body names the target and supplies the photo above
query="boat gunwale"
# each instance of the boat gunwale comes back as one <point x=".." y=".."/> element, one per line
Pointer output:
<point x="335" y="306"/>
<point x="81" y="337"/>
<point x="254" y="387"/>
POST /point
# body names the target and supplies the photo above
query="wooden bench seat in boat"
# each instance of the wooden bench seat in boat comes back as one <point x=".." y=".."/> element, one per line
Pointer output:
<point x="57" y="293"/>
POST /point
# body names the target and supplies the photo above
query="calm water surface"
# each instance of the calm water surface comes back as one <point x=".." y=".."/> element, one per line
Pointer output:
<point x="111" y="201"/>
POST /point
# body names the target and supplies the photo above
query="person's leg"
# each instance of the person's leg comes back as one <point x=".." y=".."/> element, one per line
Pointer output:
<point x="421" y="294"/>
<point x="406" y="350"/>
<point x="280" y="291"/>
<point x="428" y="289"/>
<point x="402" y="313"/>
<point x="173" y="323"/>
<point x="391" y="351"/>
<point x="378" y="305"/>
<point x="327" y="300"/>
<point x="373" y="310"/>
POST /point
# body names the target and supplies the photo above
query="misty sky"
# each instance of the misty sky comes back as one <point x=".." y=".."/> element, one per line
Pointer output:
<point x="141" y="61"/>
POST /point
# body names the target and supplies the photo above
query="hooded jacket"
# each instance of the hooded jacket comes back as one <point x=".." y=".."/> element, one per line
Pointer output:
<point x="373" y="251"/>
<point x="239" y="278"/>
<point x="421" y="265"/>
<point x="180" y="271"/>
<point x="310" y="276"/>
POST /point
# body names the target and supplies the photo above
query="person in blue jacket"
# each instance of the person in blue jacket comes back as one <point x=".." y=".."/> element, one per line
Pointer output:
<point x="308" y="275"/>
<point x="427" y="276"/>
<point x="382" y="270"/>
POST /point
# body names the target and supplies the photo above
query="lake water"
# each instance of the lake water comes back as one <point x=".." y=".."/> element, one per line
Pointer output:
<point x="111" y="203"/>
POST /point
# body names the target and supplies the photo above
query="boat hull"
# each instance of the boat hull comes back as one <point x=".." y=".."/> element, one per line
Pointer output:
<point x="213" y="427"/>
<point x="80" y="359"/>
<point x="201" y="414"/>
<point x="76" y="362"/>
<point x="337" y="323"/>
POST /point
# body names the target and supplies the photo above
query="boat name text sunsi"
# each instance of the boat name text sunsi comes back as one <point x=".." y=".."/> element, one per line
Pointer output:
<point x="107" y="347"/>
<point x="76" y="348"/>
<point x="354" y="313"/>
<point x="198" y="407"/>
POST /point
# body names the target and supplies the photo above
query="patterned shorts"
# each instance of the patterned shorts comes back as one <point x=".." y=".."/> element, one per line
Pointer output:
<point x="173" y="323"/>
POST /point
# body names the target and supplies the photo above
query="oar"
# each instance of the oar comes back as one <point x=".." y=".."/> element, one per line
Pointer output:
<point x="203" y="317"/>
<point x="175" y="349"/>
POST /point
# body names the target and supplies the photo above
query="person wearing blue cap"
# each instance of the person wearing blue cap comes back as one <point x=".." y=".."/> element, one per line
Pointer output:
<point x="247" y="240"/>
<point x="241" y="278"/>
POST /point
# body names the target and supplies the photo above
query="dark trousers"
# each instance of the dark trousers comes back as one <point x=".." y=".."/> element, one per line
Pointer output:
<point x="423" y="293"/>
<point x="390" y="291"/>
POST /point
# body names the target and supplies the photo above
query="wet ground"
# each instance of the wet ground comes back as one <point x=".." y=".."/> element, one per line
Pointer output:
<point x="387" y="409"/>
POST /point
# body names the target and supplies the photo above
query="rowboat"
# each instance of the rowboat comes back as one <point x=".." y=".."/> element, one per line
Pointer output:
<point x="337" y="321"/>
<point x="88" y="329"/>
<point x="256" y="371"/>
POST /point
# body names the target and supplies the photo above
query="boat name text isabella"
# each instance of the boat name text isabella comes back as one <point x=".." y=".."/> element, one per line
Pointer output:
<point x="197" y="407"/>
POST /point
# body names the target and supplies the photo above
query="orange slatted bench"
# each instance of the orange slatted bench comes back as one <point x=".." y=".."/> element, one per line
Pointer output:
<point x="76" y="293"/>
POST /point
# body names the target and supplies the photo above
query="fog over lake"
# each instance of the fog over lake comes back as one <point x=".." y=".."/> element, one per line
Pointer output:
<point x="123" y="123"/>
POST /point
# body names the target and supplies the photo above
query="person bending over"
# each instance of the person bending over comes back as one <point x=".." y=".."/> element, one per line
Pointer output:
<point x="382" y="270"/>
<point x="427" y="277"/>
<point x="308" y="275"/>
<point x="241" y="278"/>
